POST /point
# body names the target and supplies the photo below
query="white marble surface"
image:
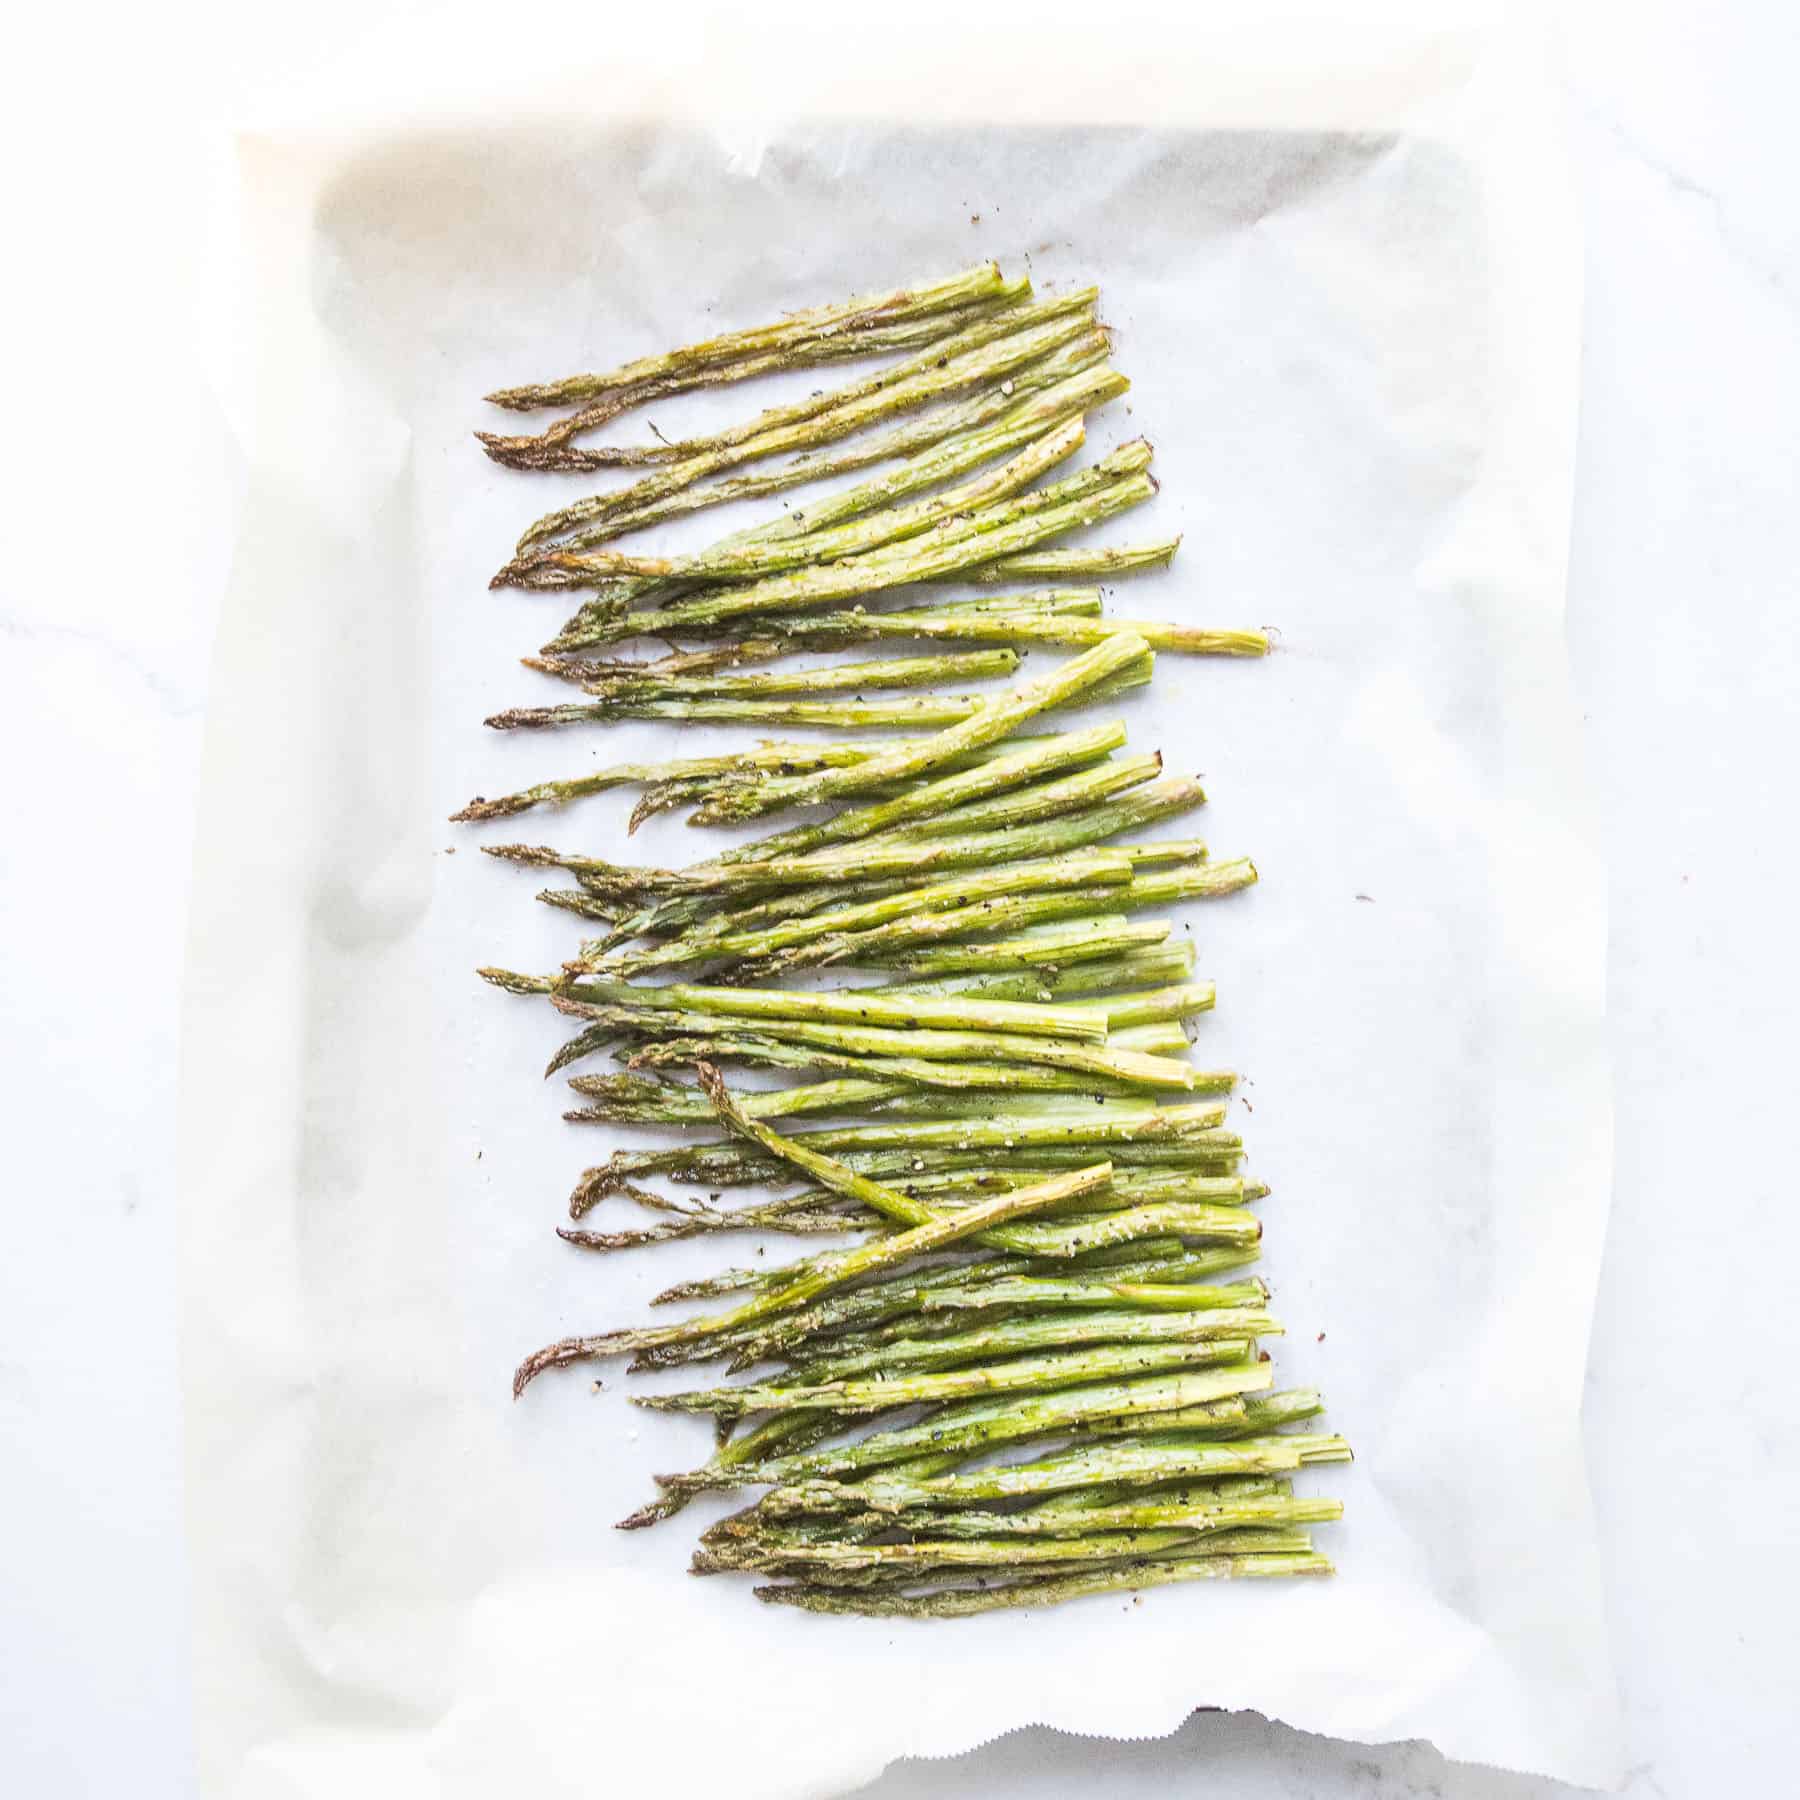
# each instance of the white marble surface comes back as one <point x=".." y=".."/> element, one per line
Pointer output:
<point x="1682" y="625"/>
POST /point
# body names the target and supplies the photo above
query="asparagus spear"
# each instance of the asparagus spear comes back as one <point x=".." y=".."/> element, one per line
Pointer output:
<point x="1215" y="1152"/>
<point x="1135" y="1463"/>
<point x="933" y="713"/>
<point x="831" y="715"/>
<point x="729" y="647"/>
<point x="644" y="1100"/>
<point x="1025" y="620"/>
<point x="827" y="678"/>
<point x="1197" y="1221"/>
<point x="1067" y="1369"/>
<point x="618" y="694"/>
<point x="1086" y="1127"/>
<point x="1059" y="1330"/>
<point x="975" y="1106"/>
<point x="859" y="313"/>
<point x="1134" y="1184"/>
<point x="839" y="1564"/>
<point x="1089" y="1281"/>
<point x="1243" y="1501"/>
<point x="640" y="1100"/>
<point x="952" y="1603"/>
<point x="702" y="1219"/>
<point x="846" y="1007"/>
<point x="672" y="665"/>
<point x="778" y="637"/>
<point x="1037" y="628"/>
<point x="951" y="1077"/>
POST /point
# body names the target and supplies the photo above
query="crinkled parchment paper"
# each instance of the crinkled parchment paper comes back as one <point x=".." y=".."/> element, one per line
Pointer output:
<point x="1342" y="267"/>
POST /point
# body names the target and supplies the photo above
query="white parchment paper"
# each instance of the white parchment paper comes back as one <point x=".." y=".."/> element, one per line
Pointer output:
<point x="1341" y="267"/>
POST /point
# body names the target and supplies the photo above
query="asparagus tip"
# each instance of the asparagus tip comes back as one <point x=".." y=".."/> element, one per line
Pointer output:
<point x="714" y="1084"/>
<point x="553" y="1356"/>
<point x="539" y="854"/>
<point x="599" y="1240"/>
<point x="498" y="448"/>
<point x="483" y="808"/>
<point x="652" y="1513"/>
<point x="594" y="1186"/>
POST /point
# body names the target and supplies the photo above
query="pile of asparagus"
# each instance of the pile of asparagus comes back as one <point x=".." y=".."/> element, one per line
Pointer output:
<point x="1027" y="1380"/>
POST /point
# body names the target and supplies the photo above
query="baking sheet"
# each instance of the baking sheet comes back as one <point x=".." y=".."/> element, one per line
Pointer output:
<point x="1346" y="299"/>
